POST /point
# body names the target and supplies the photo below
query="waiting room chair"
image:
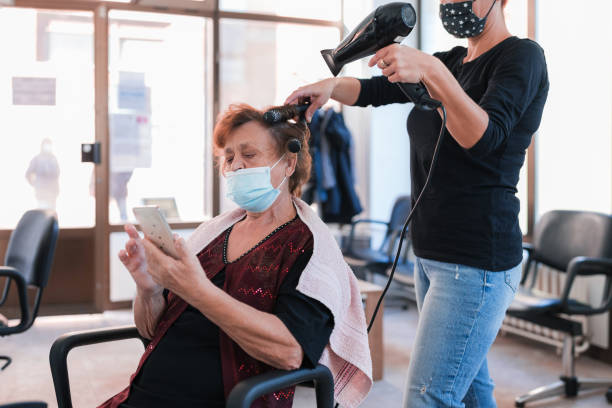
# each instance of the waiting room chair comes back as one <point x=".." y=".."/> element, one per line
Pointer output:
<point x="576" y="244"/>
<point x="379" y="260"/>
<point x="242" y="396"/>
<point x="28" y="261"/>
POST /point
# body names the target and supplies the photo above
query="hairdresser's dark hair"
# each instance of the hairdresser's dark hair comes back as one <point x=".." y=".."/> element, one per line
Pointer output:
<point x="282" y="132"/>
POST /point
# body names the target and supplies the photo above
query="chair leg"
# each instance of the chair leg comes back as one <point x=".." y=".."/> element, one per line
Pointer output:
<point x="8" y="361"/>
<point x="594" y="383"/>
<point x="553" y="390"/>
<point x="569" y="384"/>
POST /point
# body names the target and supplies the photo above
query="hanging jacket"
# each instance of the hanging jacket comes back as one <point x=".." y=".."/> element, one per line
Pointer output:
<point x="332" y="182"/>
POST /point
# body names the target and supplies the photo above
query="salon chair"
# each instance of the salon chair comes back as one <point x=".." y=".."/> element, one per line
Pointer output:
<point x="379" y="260"/>
<point x="28" y="261"/>
<point x="577" y="244"/>
<point x="242" y="396"/>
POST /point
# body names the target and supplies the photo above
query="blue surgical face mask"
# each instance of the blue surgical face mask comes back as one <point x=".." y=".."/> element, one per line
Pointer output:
<point x="252" y="188"/>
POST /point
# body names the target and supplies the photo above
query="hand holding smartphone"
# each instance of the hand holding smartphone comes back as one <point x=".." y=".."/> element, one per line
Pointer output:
<point x="156" y="228"/>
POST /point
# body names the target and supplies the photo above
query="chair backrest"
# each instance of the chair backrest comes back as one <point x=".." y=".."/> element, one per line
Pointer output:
<point x="32" y="246"/>
<point x="401" y="209"/>
<point x="399" y="214"/>
<point x="560" y="236"/>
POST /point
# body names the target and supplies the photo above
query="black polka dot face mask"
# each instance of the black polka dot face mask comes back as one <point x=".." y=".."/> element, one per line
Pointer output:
<point x="459" y="19"/>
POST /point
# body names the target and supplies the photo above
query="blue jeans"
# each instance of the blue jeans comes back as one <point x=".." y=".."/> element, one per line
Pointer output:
<point x="461" y="310"/>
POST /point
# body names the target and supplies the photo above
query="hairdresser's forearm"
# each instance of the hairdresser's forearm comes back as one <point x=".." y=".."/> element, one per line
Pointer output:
<point x="148" y="308"/>
<point x="466" y="120"/>
<point x="346" y="90"/>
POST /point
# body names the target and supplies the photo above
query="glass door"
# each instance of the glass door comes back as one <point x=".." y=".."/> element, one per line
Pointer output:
<point x="47" y="111"/>
<point x="159" y="118"/>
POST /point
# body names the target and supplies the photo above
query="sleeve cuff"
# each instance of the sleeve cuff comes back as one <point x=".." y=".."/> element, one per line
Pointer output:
<point x="302" y="339"/>
<point x="361" y="99"/>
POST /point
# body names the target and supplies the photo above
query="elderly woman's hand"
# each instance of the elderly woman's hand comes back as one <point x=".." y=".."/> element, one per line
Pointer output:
<point x="183" y="275"/>
<point x="400" y="63"/>
<point x="135" y="260"/>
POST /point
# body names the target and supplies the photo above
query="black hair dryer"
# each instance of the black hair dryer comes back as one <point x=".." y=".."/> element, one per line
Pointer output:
<point x="386" y="25"/>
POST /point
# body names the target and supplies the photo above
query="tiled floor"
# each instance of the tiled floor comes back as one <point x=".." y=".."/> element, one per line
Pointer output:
<point x="97" y="372"/>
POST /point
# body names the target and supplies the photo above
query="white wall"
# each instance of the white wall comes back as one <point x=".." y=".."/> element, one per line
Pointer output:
<point x="574" y="143"/>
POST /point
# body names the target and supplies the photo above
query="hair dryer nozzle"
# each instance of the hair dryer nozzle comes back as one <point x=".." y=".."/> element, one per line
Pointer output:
<point x="329" y="59"/>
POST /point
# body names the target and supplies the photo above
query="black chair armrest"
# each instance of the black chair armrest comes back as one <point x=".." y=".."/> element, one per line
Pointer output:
<point x="5" y="291"/>
<point x="58" y="355"/>
<point x="530" y="249"/>
<point x="246" y="392"/>
<point x="349" y="245"/>
<point x="528" y="246"/>
<point x="243" y="394"/>
<point x="22" y="289"/>
<point x="584" y="266"/>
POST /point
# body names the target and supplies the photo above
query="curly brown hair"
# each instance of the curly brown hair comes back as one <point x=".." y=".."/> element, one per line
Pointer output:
<point x="282" y="132"/>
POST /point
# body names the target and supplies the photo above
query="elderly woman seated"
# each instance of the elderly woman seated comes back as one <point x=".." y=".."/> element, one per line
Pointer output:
<point x="258" y="288"/>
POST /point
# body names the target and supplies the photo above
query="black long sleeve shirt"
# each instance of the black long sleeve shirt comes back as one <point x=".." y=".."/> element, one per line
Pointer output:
<point x="469" y="215"/>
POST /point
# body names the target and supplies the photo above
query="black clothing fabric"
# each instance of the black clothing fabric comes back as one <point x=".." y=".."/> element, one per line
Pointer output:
<point x="332" y="182"/>
<point x="185" y="369"/>
<point x="469" y="215"/>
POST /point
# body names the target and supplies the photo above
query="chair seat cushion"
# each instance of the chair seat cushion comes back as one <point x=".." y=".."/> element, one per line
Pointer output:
<point x="544" y="310"/>
<point x="535" y="301"/>
<point x="404" y="273"/>
<point x="364" y="256"/>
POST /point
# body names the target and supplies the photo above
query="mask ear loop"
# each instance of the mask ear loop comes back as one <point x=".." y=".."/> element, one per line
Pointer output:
<point x="278" y="161"/>
<point x="488" y="12"/>
<point x="281" y="183"/>
<point x="285" y="178"/>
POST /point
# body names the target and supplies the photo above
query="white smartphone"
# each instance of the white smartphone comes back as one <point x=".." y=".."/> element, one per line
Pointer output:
<point x="156" y="228"/>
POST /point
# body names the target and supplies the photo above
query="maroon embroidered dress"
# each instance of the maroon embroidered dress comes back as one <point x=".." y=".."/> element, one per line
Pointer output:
<point x="264" y="278"/>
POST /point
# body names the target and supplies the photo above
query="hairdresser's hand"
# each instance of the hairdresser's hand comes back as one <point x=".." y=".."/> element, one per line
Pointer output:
<point x="183" y="275"/>
<point x="319" y="94"/>
<point x="135" y="260"/>
<point x="400" y="63"/>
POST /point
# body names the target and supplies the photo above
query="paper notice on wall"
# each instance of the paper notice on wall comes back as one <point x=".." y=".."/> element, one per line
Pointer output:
<point x="132" y="92"/>
<point x="130" y="142"/>
<point x="33" y="91"/>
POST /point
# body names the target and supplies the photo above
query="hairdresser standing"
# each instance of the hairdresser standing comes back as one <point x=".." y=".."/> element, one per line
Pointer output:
<point x="465" y="232"/>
